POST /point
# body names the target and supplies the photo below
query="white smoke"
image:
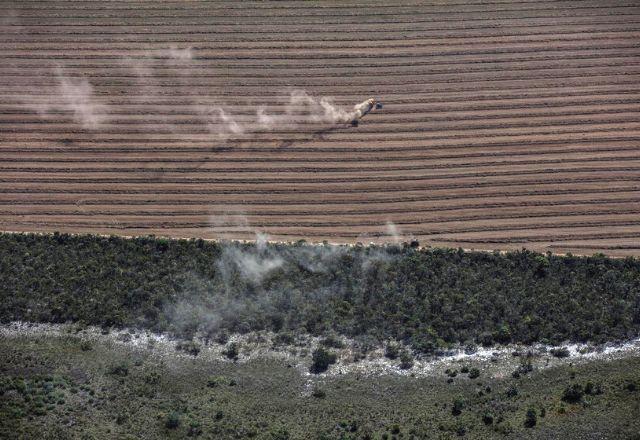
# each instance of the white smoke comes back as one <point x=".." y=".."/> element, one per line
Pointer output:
<point x="393" y="231"/>
<point x="253" y="267"/>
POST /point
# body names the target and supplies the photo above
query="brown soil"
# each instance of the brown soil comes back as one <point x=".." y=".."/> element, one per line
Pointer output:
<point x="506" y="124"/>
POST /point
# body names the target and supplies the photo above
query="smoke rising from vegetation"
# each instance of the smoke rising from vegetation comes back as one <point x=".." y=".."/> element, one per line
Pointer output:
<point x="258" y="270"/>
<point x="393" y="232"/>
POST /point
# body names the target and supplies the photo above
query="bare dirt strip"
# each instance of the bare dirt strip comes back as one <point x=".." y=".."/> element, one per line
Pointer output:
<point x="506" y="124"/>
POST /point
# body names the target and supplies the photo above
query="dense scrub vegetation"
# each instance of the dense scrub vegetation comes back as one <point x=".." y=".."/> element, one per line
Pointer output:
<point x="427" y="298"/>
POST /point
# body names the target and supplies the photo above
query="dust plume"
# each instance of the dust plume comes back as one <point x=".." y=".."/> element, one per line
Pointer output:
<point x="224" y="125"/>
<point x="74" y="97"/>
<point x="294" y="111"/>
<point x="179" y="54"/>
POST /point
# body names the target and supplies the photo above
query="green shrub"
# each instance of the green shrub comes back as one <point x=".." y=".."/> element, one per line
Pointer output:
<point x="231" y="351"/>
<point x="573" y="393"/>
<point x="406" y="360"/>
<point x="474" y="373"/>
<point x="561" y="352"/>
<point x="531" y="418"/>
<point x="458" y="406"/>
<point x="121" y="369"/>
<point x="284" y="339"/>
<point x="332" y="341"/>
<point x="392" y="351"/>
<point x="592" y="389"/>
<point x="321" y="360"/>
<point x="318" y="393"/>
<point x="512" y="391"/>
<point x="172" y="420"/>
<point x="195" y="429"/>
<point x="189" y="347"/>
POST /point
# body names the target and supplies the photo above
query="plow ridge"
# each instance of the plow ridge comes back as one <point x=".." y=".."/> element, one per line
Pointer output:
<point x="507" y="123"/>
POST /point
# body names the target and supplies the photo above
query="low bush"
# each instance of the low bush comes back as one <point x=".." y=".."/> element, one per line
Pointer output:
<point x="573" y="393"/>
<point x="321" y="360"/>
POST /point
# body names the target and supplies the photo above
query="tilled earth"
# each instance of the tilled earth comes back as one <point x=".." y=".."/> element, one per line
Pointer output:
<point x="506" y="124"/>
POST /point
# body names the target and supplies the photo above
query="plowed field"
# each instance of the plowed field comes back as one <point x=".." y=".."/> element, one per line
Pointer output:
<point x="506" y="124"/>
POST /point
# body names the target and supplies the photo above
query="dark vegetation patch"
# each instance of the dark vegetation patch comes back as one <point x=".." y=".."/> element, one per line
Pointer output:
<point x="427" y="299"/>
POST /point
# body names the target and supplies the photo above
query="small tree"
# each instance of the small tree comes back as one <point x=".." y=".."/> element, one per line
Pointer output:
<point x="474" y="373"/>
<point x="321" y="359"/>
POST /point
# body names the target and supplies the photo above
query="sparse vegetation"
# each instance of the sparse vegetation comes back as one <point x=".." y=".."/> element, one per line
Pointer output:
<point x="46" y="384"/>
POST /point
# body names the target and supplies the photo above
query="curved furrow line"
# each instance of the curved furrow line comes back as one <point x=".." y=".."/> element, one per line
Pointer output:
<point x="302" y="159"/>
<point x="278" y="94"/>
<point x="263" y="201"/>
<point x="396" y="109"/>
<point x="185" y="190"/>
<point x="629" y="10"/>
<point x="567" y="212"/>
<point x="323" y="150"/>
<point x="122" y="224"/>
<point x="480" y="129"/>
<point x="419" y="117"/>
<point x="534" y="238"/>
<point x="155" y="50"/>
<point x="323" y="57"/>
<point x="195" y="64"/>
<point x="395" y="12"/>
<point x="193" y="30"/>
<point x="244" y="181"/>
<point x="315" y="170"/>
